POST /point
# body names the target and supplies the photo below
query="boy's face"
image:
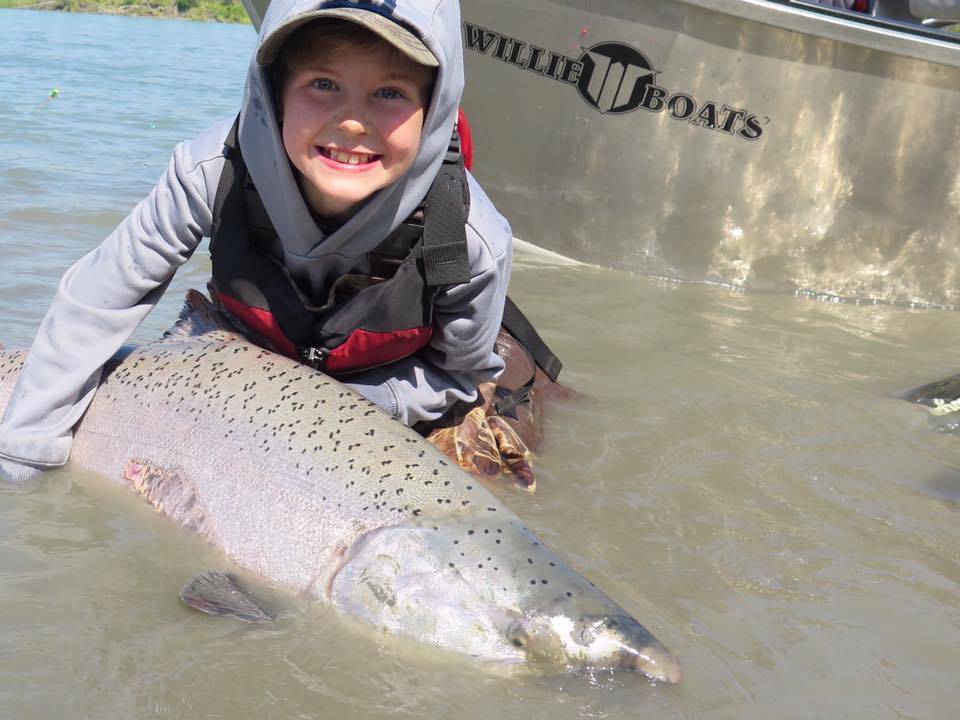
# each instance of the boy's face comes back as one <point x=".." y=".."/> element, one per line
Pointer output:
<point x="351" y="125"/>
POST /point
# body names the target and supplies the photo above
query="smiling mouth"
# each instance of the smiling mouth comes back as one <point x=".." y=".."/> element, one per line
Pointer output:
<point x="348" y="158"/>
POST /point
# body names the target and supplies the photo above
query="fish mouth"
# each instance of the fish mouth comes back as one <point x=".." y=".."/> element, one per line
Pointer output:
<point x="640" y="651"/>
<point x="612" y="642"/>
<point x="656" y="662"/>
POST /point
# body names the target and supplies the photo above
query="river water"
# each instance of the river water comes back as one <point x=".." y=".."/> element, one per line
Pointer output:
<point x="737" y="471"/>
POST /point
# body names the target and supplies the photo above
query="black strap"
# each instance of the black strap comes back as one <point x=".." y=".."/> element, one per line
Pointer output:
<point x="228" y="177"/>
<point x="445" y="259"/>
<point x="522" y="329"/>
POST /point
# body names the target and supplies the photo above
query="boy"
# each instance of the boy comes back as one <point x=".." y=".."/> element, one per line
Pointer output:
<point x="343" y="133"/>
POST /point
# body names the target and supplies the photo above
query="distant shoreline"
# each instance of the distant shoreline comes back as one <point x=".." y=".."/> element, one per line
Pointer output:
<point x="225" y="11"/>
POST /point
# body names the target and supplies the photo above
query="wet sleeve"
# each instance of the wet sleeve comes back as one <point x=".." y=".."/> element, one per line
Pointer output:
<point x="460" y="355"/>
<point x="99" y="303"/>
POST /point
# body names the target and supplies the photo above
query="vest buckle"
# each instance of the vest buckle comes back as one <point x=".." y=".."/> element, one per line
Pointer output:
<point x="314" y="357"/>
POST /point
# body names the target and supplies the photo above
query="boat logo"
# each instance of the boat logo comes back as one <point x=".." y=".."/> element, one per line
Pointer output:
<point x="614" y="79"/>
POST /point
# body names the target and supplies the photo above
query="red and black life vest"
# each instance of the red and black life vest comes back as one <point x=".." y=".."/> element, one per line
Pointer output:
<point x="372" y="316"/>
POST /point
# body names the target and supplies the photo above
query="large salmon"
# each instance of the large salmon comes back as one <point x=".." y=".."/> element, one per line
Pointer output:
<point x="300" y="479"/>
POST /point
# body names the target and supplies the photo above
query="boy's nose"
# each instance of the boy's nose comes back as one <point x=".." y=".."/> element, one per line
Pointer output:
<point x="353" y="126"/>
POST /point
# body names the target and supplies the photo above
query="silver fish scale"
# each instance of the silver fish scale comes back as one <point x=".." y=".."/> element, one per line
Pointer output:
<point x="328" y="450"/>
<point x="216" y="418"/>
<point x="10" y="364"/>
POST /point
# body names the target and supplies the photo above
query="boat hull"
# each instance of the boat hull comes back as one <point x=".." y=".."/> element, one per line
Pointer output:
<point x="749" y="143"/>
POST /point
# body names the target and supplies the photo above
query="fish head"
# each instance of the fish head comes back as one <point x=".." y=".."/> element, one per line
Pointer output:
<point x="492" y="590"/>
<point x="611" y="640"/>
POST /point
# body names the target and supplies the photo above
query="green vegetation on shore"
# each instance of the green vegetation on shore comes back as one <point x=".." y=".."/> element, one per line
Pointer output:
<point x="215" y="10"/>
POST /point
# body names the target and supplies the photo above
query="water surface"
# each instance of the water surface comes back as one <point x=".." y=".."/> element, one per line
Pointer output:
<point x="737" y="473"/>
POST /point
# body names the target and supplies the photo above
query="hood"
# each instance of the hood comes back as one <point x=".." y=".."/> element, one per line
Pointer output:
<point x="312" y="256"/>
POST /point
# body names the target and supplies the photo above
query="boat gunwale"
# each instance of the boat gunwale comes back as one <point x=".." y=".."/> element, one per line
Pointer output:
<point x="845" y="26"/>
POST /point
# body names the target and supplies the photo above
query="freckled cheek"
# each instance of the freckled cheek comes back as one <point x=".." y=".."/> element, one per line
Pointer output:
<point x="304" y="117"/>
<point x="403" y="137"/>
<point x="294" y="139"/>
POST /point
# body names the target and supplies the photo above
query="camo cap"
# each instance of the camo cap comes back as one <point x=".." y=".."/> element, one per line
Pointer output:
<point x="365" y="14"/>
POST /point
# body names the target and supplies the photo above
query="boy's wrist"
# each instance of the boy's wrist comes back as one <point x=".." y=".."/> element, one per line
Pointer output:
<point x="12" y="471"/>
<point x="380" y="394"/>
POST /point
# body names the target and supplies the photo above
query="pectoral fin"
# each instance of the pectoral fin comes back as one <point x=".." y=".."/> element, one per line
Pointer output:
<point x="217" y="593"/>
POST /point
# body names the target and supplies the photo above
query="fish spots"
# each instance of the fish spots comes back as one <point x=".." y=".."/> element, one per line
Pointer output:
<point x="309" y="434"/>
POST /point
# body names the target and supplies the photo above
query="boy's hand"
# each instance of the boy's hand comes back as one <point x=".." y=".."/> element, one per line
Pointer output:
<point x="17" y="473"/>
<point x="485" y="445"/>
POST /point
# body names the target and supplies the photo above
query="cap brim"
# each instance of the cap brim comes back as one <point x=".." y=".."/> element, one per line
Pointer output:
<point x="392" y="32"/>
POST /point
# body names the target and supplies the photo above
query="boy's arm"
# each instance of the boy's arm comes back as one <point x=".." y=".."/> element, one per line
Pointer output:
<point x="461" y="354"/>
<point x="99" y="303"/>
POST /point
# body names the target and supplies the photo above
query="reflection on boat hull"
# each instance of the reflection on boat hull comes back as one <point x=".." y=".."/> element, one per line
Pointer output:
<point x="758" y="144"/>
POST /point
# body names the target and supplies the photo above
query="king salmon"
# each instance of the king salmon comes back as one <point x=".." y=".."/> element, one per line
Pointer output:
<point x="298" y="478"/>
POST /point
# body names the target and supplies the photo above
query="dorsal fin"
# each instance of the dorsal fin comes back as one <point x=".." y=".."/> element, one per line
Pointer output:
<point x="197" y="317"/>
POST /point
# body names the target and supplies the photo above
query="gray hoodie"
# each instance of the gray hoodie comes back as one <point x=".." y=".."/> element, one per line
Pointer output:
<point x="104" y="297"/>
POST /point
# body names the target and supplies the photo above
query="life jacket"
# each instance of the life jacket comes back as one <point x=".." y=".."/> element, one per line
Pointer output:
<point x="371" y="316"/>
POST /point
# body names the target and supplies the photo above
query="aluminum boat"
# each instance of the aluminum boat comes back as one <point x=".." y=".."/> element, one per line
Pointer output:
<point x="766" y="144"/>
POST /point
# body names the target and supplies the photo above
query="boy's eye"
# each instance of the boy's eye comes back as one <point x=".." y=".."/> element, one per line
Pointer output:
<point x="323" y="84"/>
<point x="390" y="93"/>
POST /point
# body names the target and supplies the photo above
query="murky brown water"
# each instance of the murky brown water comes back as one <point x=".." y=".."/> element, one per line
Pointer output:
<point x="738" y="473"/>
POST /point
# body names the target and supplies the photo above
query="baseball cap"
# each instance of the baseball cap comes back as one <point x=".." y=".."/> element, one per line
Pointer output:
<point x="384" y="27"/>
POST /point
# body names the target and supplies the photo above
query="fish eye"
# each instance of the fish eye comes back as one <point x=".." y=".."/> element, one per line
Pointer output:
<point x="517" y="636"/>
